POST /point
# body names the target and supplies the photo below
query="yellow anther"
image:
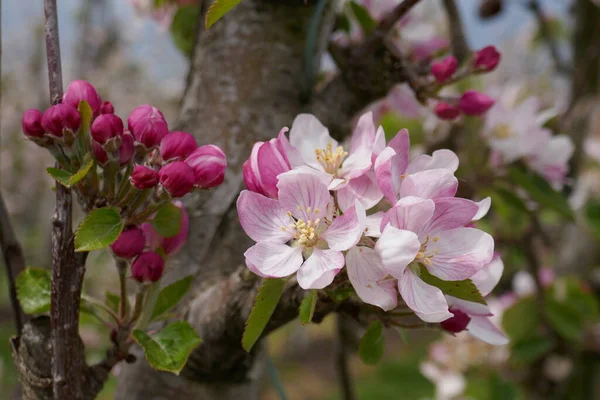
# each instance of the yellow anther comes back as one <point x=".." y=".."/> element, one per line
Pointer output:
<point x="330" y="159"/>
<point x="435" y="239"/>
<point x="317" y="211"/>
<point x="502" y="131"/>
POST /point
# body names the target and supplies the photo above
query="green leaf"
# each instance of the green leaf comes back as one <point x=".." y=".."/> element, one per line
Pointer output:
<point x="465" y="289"/>
<point x="86" y="113"/>
<point x="393" y="122"/>
<point x="541" y="191"/>
<point x="68" y="179"/>
<point x="60" y="175"/>
<point x="218" y="9"/>
<point x="169" y="349"/>
<point x="183" y="27"/>
<point x="264" y="306"/>
<point x="367" y="23"/>
<point x="579" y="297"/>
<point x="112" y="301"/>
<point x="520" y="321"/>
<point x="340" y="294"/>
<point x="591" y="211"/>
<point x="372" y="344"/>
<point x="511" y="200"/>
<point x="170" y="296"/>
<point x="33" y="290"/>
<point x="167" y="221"/>
<point x="307" y="307"/>
<point x="565" y="320"/>
<point x="502" y="389"/>
<point x="99" y="229"/>
<point x="531" y="349"/>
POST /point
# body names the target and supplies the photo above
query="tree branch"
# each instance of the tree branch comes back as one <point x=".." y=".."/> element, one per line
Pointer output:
<point x="341" y="359"/>
<point x="14" y="261"/>
<point x="460" y="48"/>
<point x="546" y="33"/>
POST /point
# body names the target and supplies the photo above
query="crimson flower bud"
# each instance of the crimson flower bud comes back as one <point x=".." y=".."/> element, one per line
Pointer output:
<point x="486" y="59"/>
<point x="172" y="245"/>
<point x="106" y="127"/>
<point x="177" y="146"/>
<point x="82" y="90"/>
<point x="107" y="108"/>
<point x="457" y="323"/>
<point x="153" y="238"/>
<point x="127" y="148"/>
<point x="130" y="243"/>
<point x="475" y="103"/>
<point x="31" y="123"/>
<point x="99" y="153"/>
<point x="208" y="163"/>
<point x="143" y="177"/>
<point x="148" y="267"/>
<point x="446" y="111"/>
<point x="148" y="125"/>
<point x="60" y="117"/>
<point x="177" y="178"/>
<point x="444" y="69"/>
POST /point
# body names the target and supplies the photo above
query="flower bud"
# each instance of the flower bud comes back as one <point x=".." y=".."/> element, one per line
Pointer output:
<point x="127" y="148"/>
<point x="266" y="161"/>
<point x="143" y="177"/>
<point x="177" y="178"/>
<point x="208" y="164"/>
<point x="82" y="90"/>
<point x="105" y="127"/>
<point x="148" y="125"/>
<point x="100" y="154"/>
<point x="486" y="59"/>
<point x="177" y="146"/>
<point x="31" y="123"/>
<point x="446" y="111"/>
<point x="457" y="323"/>
<point x="172" y="245"/>
<point x="107" y="108"/>
<point x="130" y="243"/>
<point x="475" y="103"/>
<point x="148" y="267"/>
<point x="60" y="117"/>
<point x="153" y="238"/>
<point x="444" y="69"/>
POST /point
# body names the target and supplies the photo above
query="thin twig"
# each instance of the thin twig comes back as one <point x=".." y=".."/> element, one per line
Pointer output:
<point x="458" y="40"/>
<point x="341" y="359"/>
<point x="395" y="15"/>
<point x="548" y="37"/>
<point x="14" y="261"/>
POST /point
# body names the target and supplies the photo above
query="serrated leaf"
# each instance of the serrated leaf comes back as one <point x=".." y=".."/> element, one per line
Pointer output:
<point x="307" y="307"/>
<point x="60" y="175"/>
<point x="541" y="191"/>
<point x="68" y="179"/>
<point x="465" y="289"/>
<point x="169" y="349"/>
<point x="167" y="220"/>
<point x="112" y="301"/>
<point x="521" y="320"/>
<point x="565" y="320"/>
<point x="530" y="349"/>
<point x="264" y="306"/>
<point x="86" y="114"/>
<point x="372" y="344"/>
<point x="33" y="290"/>
<point x="367" y="23"/>
<point x="218" y="9"/>
<point x="99" y="229"/>
<point x="170" y="295"/>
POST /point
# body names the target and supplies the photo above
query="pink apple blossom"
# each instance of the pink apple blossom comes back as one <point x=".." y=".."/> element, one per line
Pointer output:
<point x="299" y="233"/>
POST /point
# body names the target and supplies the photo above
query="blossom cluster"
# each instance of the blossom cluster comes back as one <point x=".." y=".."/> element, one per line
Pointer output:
<point x="137" y="168"/>
<point x="391" y="224"/>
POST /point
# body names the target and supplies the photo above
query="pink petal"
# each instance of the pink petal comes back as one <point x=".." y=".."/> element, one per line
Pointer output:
<point x="263" y="218"/>
<point x="483" y="208"/>
<point x="367" y="277"/>
<point x="409" y="213"/>
<point x="397" y="248"/>
<point x="488" y="277"/>
<point x="383" y="172"/>
<point x="459" y="253"/>
<point x="482" y="328"/>
<point x="379" y="144"/>
<point x="308" y="134"/>
<point x="450" y="213"/>
<point x="273" y="260"/>
<point x="364" y="189"/>
<point x="320" y="268"/>
<point x="401" y="145"/>
<point x="363" y="136"/>
<point x="337" y="183"/>
<point x="468" y="307"/>
<point x="430" y="184"/>
<point x="290" y="151"/>
<point x="356" y="164"/>
<point x="270" y="164"/>
<point x="444" y="159"/>
<point x="426" y="301"/>
<point x="303" y="194"/>
<point x="373" y="223"/>
<point x="346" y="230"/>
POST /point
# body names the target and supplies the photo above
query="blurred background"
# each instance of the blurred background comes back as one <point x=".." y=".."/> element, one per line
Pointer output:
<point x="134" y="54"/>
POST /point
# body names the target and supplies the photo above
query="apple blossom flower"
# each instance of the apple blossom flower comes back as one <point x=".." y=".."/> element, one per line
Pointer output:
<point x="208" y="164"/>
<point x="105" y="127"/>
<point x="475" y="103"/>
<point x="431" y="233"/>
<point x="143" y="177"/>
<point x="130" y="243"/>
<point x="444" y="69"/>
<point x="177" y="146"/>
<point x="298" y="233"/>
<point x="60" y="117"/>
<point x="80" y="90"/>
<point x="552" y="160"/>
<point x="486" y="59"/>
<point x="177" y="178"/>
<point x="31" y="123"/>
<point x="147" y="125"/>
<point x="267" y="160"/>
<point x="148" y="267"/>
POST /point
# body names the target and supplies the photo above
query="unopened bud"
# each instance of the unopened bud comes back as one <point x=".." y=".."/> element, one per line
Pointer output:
<point x="457" y="323"/>
<point x="172" y="245"/>
<point x="107" y="108"/>
<point x="147" y="125"/>
<point x="82" y="90"/>
<point x="444" y="69"/>
<point x="177" y="178"/>
<point x="148" y="267"/>
<point x="60" y="117"/>
<point x="105" y="127"/>
<point x="130" y="243"/>
<point x="31" y="123"/>
<point x="475" y="103"/>
<point x="177" y="146"/>
<point x="127" y="148"/>
<point x="486" y="59"/>
<point x="208" y="163"/>
<point x="446" y="111"/>
<point x="143" y="177"/>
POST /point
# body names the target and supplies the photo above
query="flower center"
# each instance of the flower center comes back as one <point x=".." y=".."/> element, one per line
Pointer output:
<point x="330" y="159"/>
<point x="502" y="131"/>
<point x="306" y="233"/>
<point x="423" y="256"/>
